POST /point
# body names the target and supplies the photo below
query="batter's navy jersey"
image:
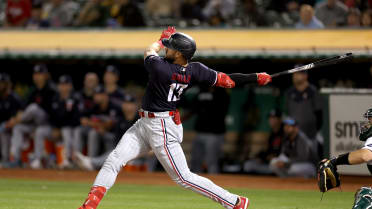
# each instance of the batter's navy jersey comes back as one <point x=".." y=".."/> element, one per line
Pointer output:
<point x="167" y="82"/>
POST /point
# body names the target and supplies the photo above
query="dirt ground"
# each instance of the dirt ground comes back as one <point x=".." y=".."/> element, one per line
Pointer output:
<point x="349" y="183"/>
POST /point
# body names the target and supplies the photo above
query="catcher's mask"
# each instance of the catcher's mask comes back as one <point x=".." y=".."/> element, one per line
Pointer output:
<point x="367" y="123"/>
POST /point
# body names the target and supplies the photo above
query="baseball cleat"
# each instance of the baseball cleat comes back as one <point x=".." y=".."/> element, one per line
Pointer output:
<point x="86" y="207"/>
<point x="83" y="162"/>
<point x="243" y="203"/>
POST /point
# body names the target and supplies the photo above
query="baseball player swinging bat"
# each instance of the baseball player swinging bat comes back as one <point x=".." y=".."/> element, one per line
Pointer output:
<point x="317" y="64"/>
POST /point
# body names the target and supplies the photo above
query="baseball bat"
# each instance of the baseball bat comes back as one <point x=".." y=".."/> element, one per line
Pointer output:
<point x="317" y="64"/>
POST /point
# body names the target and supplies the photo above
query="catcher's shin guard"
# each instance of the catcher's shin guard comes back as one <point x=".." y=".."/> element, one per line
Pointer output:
<point x="363" y="198"/>
<point x="94" y="197"/>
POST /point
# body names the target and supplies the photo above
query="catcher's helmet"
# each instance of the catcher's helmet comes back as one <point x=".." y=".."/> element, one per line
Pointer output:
<point x="366" y="126"/>
<point x="182" y="43"/>
<point x="368" y="113"/>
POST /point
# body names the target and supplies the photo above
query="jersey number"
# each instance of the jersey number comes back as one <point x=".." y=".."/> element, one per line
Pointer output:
<point x="175" y="91"/>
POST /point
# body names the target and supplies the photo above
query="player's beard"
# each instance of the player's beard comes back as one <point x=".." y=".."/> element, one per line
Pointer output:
<point x="169" y="59"/>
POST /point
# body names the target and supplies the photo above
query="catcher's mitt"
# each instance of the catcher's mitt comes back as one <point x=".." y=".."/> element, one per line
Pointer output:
<point x="328" y="177"/>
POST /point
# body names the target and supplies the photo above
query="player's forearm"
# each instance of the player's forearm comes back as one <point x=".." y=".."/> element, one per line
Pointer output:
<point x="360" y="156"/>
<point x="242" y="79"/>
<point x="353" y="158"/>
<point x="153" y="49"/>
<point x="238" y="79"/>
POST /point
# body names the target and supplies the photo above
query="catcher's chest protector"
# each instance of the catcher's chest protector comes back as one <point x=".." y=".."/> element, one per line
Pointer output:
<point x="363" y="198"/>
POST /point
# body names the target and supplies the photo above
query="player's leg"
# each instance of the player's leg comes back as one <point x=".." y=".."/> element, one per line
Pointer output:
<point x="109" y="144"/>
<point x="213" y="145"/>
<point x="35" y="114"/>
<point x="67" y="138"/>
<point x="80" y="133"/>
<point x="276" y="166"/>
<point x="16" y="142"/>
<point x="303" y="169"/>
<point x="129" y="147"/>
<point x="197" y="154"/>
<point x="256" y="166"/>
<point x="93" y="143"/>
<point x="166" y="146"/>
<point x="4" y="145"/>
<point x="41" y="133"/>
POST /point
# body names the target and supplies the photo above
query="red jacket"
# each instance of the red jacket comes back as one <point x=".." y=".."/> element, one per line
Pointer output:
<point x="17" y="11"/>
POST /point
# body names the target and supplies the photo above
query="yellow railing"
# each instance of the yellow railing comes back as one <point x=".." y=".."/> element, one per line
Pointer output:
<point x="206" y="39"/>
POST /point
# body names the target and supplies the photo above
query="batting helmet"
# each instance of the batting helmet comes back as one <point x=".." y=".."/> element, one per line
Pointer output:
<point x="182" y="43"/>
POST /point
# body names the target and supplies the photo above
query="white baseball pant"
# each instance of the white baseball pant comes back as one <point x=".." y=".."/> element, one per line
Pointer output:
<point x="164" y="137"/>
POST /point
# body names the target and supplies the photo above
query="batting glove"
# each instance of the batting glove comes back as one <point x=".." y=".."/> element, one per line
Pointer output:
<point x="263" y="79"/>
<point x="166" y="34"/>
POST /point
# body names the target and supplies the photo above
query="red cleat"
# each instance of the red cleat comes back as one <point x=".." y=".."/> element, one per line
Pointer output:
<point x="243" y="203"/>
<point x="94" y="197"/>
<point x="85" y="207"/>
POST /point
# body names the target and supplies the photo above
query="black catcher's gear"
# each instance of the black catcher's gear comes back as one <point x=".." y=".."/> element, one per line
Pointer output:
<point x="366" y="126"/>
<point x="328" y="178"/>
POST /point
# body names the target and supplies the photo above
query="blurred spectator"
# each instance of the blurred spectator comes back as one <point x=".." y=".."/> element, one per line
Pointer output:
<point x="332" y="13"/>
<point x="307" y="19"/>
<point x="127" y="14"/>
<point x="192" y="10"/>
<point x="17" y="13"/>
<point x="86" y="105"/>
<point x="129" y="117"/>
<point x="367" y="18"/>
<point x="64" y="117"/>
<point x="110" y="80"/>
<point x="210" y="107"/>
<point x="34" y="118"/>
<point x="303" y="103"/>
<point x="10" y="105"/>
<point x="283" y="12"/>
<point x="251" y="15"/>
<point x="260" y="164"/>
<point x="98" y="125"/>
<point x="360" y="4"/>
<point x="296" y="157"/>
<point x="36" y="20"/>
<point x="283" y="5"/>
<point x="353" y="18"/>
<point x="94" y="13"/>
<point x="219" y="12"/>
<point x="59" y="13"/>
<point x="86" y="102"/>
<point x="158" y="9"/>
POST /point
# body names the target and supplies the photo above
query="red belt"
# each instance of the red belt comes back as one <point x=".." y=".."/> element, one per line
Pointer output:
<point x="152" y="115"/>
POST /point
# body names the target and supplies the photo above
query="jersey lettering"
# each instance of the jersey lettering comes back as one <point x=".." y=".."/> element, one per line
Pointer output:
<point x="175" y="91"/>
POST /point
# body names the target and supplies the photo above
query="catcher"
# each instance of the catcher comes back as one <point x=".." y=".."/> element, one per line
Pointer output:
<point x="328" y="177"/>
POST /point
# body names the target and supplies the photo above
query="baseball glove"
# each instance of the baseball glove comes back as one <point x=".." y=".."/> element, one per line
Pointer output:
<point x="328" y="178"/>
